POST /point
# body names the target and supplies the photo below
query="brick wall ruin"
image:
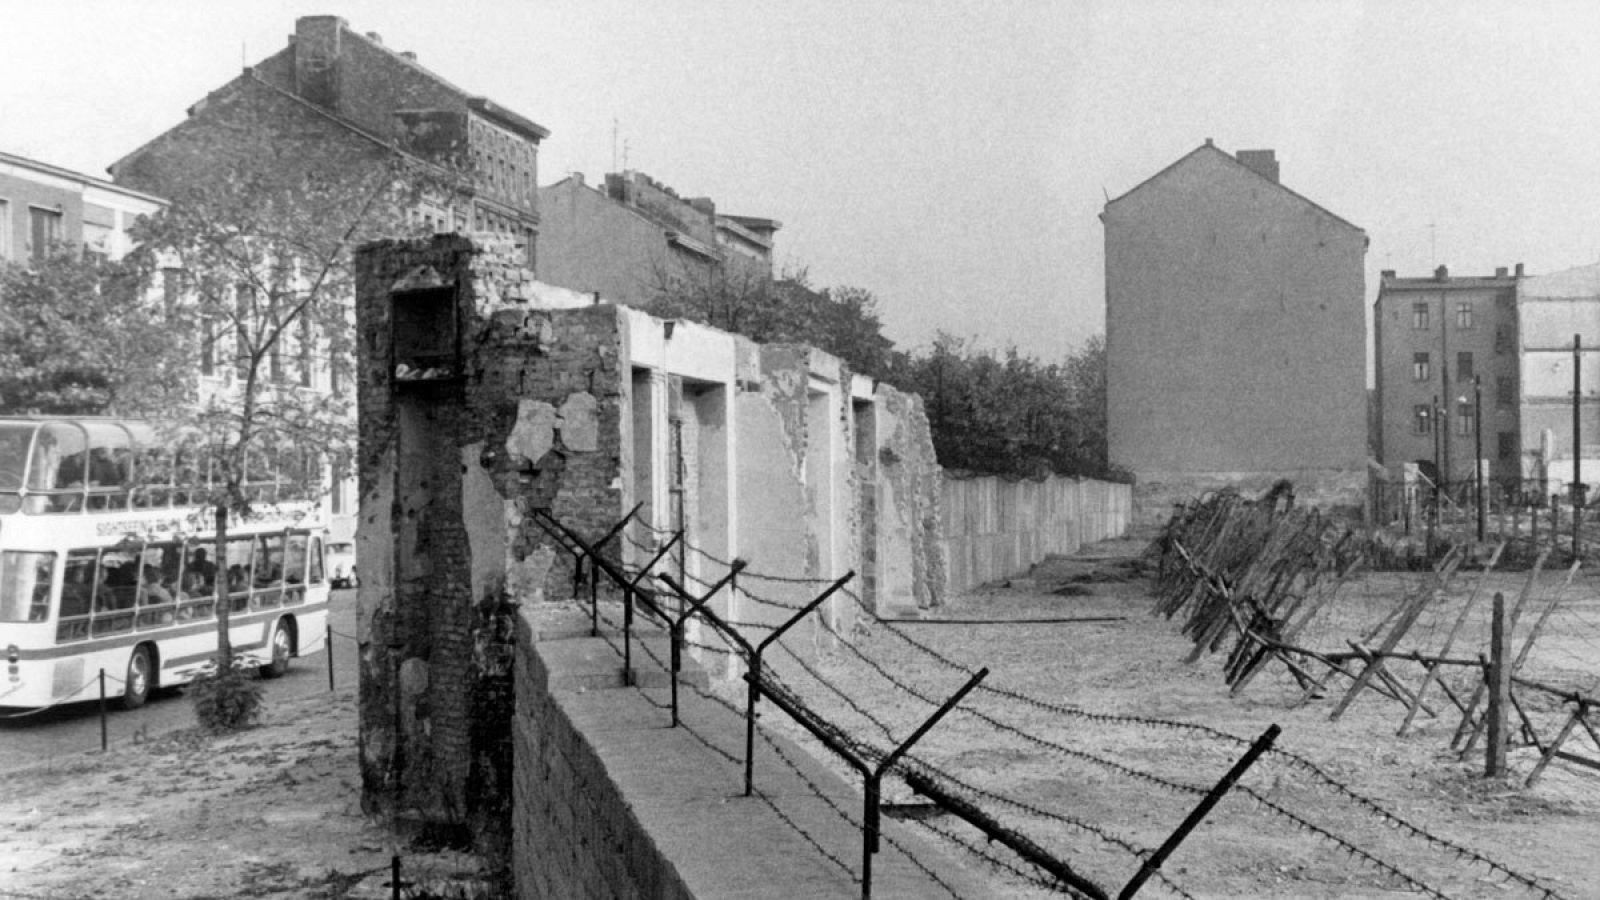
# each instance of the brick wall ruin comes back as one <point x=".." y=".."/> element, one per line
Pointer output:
<point x="485" y="395"/>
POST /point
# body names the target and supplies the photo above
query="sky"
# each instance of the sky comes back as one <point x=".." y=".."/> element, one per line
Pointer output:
<point x="951" y="157"/>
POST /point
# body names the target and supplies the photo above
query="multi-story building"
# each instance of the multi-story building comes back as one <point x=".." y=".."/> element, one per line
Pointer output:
<point x="1235" y="335"/>
<point x="636" y="238"/>
<point x="338" y="105"/>
<point x="1439" y="342"/>
<point x="1558" y="329"/>
<point x="42" y="205"/>
<point x="348" y="87"/>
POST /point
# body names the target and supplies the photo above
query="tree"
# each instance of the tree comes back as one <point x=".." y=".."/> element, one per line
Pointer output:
<point x="82" y="335"/>
<point x="260" y="228"/>
<point x="1010" y="414"/>
<point x="842" y="321"/>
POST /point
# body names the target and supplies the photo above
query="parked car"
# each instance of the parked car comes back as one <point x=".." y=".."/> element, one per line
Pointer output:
<point x="341" y="558"/>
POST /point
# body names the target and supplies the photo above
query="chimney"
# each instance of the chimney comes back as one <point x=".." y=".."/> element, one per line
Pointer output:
<point x="1261" y="162"/>
<point x="1519" y="270"/>
<point x="1500" y="271"/>
<point x="316" y="58"/>
<point x="409" y="54"/>
<point x="375" y="37"/>
<point x="1441" y="274"/>
<point x="1386" y="273"/>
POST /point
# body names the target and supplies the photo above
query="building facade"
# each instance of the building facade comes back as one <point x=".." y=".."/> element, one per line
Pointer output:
<point x="1235" y="335"/>
<point x="1558" y="314"/>
<point x="42" y="206"/>
<point x="635" y="238"/>
<point x="1441" y="341"/>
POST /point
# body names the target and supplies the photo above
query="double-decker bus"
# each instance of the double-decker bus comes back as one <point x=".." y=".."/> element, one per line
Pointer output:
<point x="106" y="564"/>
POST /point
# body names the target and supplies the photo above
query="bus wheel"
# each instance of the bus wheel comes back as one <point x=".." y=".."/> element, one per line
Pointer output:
<point x="136" y="689"/>
<point x="282" y="647"/>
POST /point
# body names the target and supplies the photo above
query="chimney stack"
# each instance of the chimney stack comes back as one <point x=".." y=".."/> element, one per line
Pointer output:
<point x="1500" y="271"/>
<point x="1441" y="274"/>
<point x="1519" y="270"/>
<point x="1261" y="162"/>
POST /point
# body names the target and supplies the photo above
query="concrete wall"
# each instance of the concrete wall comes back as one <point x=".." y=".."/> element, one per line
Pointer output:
<point x="1235" y="326"/>
<point x="1552" y="309"/>
<point x="610" y="802"/>
<point x="994" y="528"/>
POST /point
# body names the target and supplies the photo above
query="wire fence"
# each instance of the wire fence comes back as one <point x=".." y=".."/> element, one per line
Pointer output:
<point x="1286" y="791"/>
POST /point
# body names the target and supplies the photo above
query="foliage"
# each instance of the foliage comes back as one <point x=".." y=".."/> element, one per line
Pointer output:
<point x="842" y="321"/>
<point x="226" y="699"/>
<point x="81" y="335"/>
<point x="1010" y="414"/>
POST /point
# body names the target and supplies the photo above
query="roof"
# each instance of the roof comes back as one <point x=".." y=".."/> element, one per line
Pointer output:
<point x="499" y="114"/>
<point x="1391" y="284"/>
<point x="70" y="175"/>
<point x="1209" y="147"/>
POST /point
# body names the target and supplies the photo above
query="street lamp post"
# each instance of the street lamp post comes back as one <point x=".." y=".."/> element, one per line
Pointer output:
<point x="1477" y="444"/>
<point x="1438" y="477"/>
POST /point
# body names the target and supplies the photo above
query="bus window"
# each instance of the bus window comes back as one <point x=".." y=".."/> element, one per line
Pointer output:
<point x="25" y="585"/>
<point x="197" y="583"/>
<point x="14" y="440"/>
<point x="77" y="595"/>
<point x="60" y="465"/>
<point x="315" y="575"/>
<point x="155" y="592"/>
<point x="115" y="595"/>
<point x="268" y="571"/>
<point x="238" y="572"/>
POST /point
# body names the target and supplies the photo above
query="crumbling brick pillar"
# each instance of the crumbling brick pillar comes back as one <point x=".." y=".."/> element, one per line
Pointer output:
<point x="476" y="407"/>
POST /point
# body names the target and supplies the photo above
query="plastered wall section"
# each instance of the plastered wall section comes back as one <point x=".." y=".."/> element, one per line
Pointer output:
<point x="611" y="802"/>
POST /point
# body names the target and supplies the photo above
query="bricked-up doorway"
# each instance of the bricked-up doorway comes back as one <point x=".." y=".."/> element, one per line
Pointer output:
<point x="865" y="421"/>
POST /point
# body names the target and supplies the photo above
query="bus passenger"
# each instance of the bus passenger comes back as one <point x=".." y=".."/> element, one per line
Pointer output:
<point x="152" y="590"/>
<point x="205" y="572"/>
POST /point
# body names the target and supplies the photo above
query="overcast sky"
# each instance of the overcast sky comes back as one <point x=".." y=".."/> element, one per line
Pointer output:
<point x="951" y="157"/>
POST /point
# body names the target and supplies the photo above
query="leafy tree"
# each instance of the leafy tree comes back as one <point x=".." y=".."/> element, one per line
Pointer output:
<point x="261" y="227"/>
<point x="842" y="321"/>
<point x="81" y="335"/>
<point x="1010" y="414"/>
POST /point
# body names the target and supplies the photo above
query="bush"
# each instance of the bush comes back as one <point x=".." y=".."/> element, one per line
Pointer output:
<point x="226" y="700"/>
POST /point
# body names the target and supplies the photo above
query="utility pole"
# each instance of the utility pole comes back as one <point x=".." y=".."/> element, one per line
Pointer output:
<point x="1577" y="440"/>
<point x="1477" y="440"/>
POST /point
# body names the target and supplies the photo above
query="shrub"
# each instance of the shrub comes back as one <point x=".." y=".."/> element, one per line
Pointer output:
<point x="226" y="700"/>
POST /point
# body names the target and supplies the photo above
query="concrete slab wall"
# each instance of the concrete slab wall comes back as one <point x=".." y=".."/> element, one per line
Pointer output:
<point x="994" y="528"/>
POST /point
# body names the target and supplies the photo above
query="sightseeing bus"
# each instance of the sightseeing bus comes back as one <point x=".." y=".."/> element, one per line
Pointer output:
<point x="106" y="564"/>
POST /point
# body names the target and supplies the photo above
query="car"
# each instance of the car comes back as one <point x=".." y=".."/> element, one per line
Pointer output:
<point x="341" y="557"/>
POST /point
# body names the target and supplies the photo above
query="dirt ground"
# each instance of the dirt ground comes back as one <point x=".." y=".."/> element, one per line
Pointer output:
<point x="1090" y="737"/>
<point x="271" y="812"/>
<point x="1062" y="743"/>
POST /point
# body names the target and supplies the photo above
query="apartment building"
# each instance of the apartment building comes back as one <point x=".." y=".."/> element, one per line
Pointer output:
<point x="43" y="206"/>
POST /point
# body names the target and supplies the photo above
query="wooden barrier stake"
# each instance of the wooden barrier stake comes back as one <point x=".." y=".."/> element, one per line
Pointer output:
<point x="1499" y="691"/>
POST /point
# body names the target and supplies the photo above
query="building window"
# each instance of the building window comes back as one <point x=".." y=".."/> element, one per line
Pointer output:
<point x="1420" y="370"/>
<point x="304" y="329"/>
<point x="1464" y="419"/>
<point x="1464" y="366"/>
<point x="1508" y="445"/>
<point x="44" y="231"/>
<point x="1421" y="419"/>
<point x="1419" y="316"/>
<point x="5" y="229"/>
<point x="1502" y="340"/>
<point x="1464" y="314"/>
<point x="1505" y="391"/>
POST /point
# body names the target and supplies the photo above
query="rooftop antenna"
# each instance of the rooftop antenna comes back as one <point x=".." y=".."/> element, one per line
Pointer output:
<point x="1433" y="243"/>
<point x="614" y="144"/>
<point x="624" y="154"/>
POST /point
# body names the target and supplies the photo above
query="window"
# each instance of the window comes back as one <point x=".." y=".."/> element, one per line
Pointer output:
<point x="5" y="229"/>
<point x="1420" y="370"/>
<point x="1508" y="445"/>
<point x="1419" y="315"/>
<point x="1505" y="391"/>
<point x="1464" y="314"/>
<point x="304" y="329"/>
<point x="1502" y="340"/>
<point x="25" y="585"/>
<point x="1464" y="419"/>
<point x="44" y="231"/>
<point x="1464" y="366"/>
<point x="1421" y="419"/>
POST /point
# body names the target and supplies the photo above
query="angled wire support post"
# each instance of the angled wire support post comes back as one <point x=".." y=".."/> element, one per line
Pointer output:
<point x="691" y="606"/>
<point x="582" y="550"/>
<point x="870" y="774"/>
<point x="1153" y="863"/>
<point x="632" y="590"/>
<point x="753" y="694"/>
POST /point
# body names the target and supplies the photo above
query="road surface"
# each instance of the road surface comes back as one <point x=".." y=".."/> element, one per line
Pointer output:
<point x="73" y="729"/>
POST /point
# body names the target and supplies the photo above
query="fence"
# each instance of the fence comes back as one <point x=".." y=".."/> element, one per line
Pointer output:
<point x="867" y="706"/>
<point x="1528" y="513"/>
<point x="994" y="528"/>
